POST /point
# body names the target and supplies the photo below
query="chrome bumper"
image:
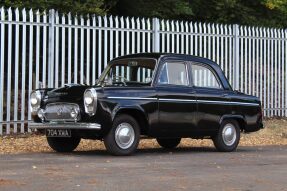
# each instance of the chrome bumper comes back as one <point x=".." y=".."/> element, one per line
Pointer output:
<point x="64" y="125"/>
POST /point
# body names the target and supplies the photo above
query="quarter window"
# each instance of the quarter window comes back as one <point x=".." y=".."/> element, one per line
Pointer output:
<point x="204" y="77"/>
<point x="174" y="73"/>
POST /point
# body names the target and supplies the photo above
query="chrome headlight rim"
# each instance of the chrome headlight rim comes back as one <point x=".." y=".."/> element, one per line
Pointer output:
<point x="35" y="100"/>
<point x="90" y="106"/>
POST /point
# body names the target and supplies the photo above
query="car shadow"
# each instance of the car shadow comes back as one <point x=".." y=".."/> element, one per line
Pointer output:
<point x="155" y="151"/>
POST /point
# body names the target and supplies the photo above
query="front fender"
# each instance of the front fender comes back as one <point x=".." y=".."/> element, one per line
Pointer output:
<point x="120" y="108"/>
<point x="236" y="117"/>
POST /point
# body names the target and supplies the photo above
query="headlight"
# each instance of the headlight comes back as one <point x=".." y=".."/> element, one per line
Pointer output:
<point x="35" y="100"/>
<point x="90" y="101"/>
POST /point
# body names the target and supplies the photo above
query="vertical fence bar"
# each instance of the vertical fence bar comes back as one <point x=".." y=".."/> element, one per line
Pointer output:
<point x="57" y="50"/>
<point x="285" y="62"/>
<point x="268" y="73"/>
<point x="99" y="47"/>
<point x="236" y="57"/>
<point x="88" y="53"/>
<point x="82" y="50"/>
<point x="138" y="35"/>
<point x="37" y="48"/>
<point x="143" y="36"/>
<point x="187" y="37"/>
<point x="279" y="73"/>
<point x="63" y="52"/>
<point x="44" y="50"/>
<point x="177" y="37"/>
<point x="31" y="53"/>
<point x="256" y="62"/>
<point x="265" y="72"/>
<point x="149" y="36"/>
<point x="70" y="48"/>
<point x="8" y="100"/>
<point x="156" y="41"/>
<point x="23" y="86"/>
<point x="275" y="73"/>
<point x="16" y="70"/>
<point x="242" y="75"/>
<point x="283" y="73"/>
<point x="2" y="44"/>
<point x="94" y="51"/>
<point x="111" y="38"/>
<point x="272" y="73"/>
<point x="76" y="50"/>
<point x="51" y="48"/>
<point x="105" y="41"/>
<point x="167" y="37"/>
<point x="204" y="40"/>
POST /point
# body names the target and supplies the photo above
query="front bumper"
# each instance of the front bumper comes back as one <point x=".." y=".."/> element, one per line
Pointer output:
<point x="64" y="125"/>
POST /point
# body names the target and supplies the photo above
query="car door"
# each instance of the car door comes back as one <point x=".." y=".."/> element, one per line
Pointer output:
<point x="212" y="99"/>
<point x="176" y="100"/>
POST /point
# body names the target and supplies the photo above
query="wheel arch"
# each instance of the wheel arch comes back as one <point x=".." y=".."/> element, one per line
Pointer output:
<point x="137" y="113"/>
<point x="238" y="118"/>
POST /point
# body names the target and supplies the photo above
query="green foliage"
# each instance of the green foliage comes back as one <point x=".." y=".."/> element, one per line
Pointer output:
<point x="271" y="13"/>
<point x="167" y="9"/>
<point x="64" y="6"/>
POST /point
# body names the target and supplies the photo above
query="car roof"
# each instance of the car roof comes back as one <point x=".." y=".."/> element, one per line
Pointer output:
<point x="173" y="56"/>
<point x="169" y="55"/>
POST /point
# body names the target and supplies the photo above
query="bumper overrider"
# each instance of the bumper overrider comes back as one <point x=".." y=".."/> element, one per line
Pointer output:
<point x="64" y="125"/>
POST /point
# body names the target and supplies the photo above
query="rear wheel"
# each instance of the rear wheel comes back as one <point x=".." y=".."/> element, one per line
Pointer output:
<point x="228" y="136"/>
<point x="168" y="143"/>
<point x="123" y="138"/>
<point x="63" y="144"/>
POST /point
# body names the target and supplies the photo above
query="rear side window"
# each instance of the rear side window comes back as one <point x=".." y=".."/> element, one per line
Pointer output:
<point x="174" y="73"/>
<point x="204" y="77"/>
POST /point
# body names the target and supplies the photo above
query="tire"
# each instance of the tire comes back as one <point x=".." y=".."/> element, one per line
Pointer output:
<point x="63" y="144"/>
<point x="123" y="138"/>
<point x="168" y="143"/>
<point x="229" y="142"/>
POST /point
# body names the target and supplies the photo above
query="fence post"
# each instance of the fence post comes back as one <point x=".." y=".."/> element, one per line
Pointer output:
<point x="51" y="48"/>
<point x="155" y="26"/>
<point x="236" y="57"/>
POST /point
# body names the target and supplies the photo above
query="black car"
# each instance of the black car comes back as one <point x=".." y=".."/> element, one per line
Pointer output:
<point x="162" y="96"/>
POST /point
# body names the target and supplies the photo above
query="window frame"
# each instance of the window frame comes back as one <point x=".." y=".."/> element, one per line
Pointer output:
<point x="187" y="69"/>
<point x="211" y="70"/>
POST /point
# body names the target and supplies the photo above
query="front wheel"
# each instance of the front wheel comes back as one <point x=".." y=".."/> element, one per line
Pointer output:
<point x="63" y="144"/>
<point x="228" y="136"/>
<point x="168" y="143"/>
<point x="123" y="138"/>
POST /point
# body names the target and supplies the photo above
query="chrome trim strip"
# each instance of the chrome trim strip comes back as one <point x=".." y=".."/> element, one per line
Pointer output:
<point x="64" y="125"/>
<point x="179" y="100"/>
<point x="228" y="102"/>
<point x="188" y="100"/>
<point x="134" y="98"/>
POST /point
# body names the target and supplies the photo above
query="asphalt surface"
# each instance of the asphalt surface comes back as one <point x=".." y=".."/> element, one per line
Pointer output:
<point x="250" y="168"/>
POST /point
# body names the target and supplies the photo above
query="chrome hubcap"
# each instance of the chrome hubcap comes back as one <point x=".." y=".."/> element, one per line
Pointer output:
<point x="229" y="134"/>
<point x="124" y="135"/>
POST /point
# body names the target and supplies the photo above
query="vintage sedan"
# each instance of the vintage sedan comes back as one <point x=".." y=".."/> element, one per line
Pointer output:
<point x="151" y="95"/>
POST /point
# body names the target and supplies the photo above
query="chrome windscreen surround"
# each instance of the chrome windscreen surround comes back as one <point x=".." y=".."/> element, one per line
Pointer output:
<point x="61" y="112"/>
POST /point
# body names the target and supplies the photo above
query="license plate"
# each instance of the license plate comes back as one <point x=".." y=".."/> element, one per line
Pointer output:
<point x="58" y="133"/>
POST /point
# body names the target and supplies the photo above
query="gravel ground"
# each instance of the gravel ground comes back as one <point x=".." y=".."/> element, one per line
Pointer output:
<point x="275" y="133"/>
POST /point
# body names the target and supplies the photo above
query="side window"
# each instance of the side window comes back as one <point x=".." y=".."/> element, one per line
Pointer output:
<point x="174" y="73"/>
<point x="203" y="77"/>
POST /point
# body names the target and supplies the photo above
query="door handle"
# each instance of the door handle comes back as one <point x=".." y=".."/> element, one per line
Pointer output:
<point x="192" y="92"/>
<point x="224" y="95"/>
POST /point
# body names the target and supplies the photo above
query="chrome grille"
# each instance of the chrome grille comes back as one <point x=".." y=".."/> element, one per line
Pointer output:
<point x="60" y="111"/>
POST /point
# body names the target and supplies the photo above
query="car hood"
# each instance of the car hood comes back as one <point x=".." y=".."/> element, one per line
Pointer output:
<point x="69" y="93"/>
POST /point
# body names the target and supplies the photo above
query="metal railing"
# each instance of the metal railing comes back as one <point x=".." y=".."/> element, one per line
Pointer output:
<point x="54" y="49"/>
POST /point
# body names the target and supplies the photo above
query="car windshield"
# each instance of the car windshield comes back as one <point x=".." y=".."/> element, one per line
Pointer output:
<point x="128" y="72"/>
